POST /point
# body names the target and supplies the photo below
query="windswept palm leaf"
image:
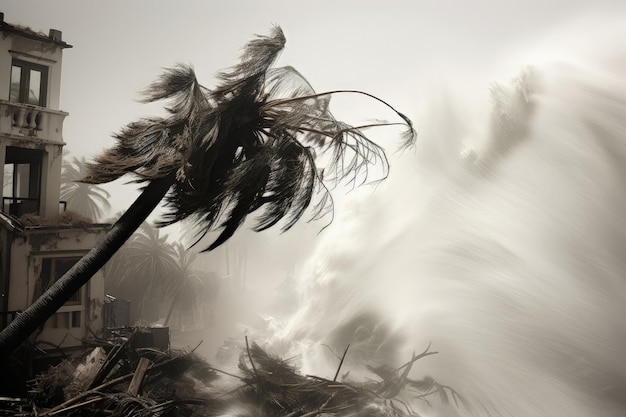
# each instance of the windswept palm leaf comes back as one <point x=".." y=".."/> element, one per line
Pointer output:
<point x="250" y="143"/>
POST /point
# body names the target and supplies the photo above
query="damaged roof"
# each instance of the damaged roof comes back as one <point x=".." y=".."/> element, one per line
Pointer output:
<point x="54" y="36"/>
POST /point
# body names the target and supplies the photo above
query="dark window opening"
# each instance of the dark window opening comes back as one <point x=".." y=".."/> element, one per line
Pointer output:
<point x="53" y="269"/>
<point x="21" y="189"/>
<point x="76" y="318"/>
<point x="29" y="83"/>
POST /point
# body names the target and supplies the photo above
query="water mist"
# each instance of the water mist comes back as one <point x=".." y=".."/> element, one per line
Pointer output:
<point x="500" y="241"/>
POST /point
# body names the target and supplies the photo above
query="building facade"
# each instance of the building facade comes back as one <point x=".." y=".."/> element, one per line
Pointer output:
<point x="39" y="241"/>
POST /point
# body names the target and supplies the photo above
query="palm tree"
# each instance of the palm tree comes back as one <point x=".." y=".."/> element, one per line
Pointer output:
<point x="87" y="199"/>
<point x="146" y="265"/>
<point x="248" y="145"/>
<point x="190" y="279"/>
<point x="150" y="270"/>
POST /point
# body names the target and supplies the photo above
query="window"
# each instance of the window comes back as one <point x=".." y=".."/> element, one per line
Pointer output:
<point x="22" y="180"/>
<point x="66" y="320"/>
<point x="54" y="268"/>
<point x="29" y="83"/>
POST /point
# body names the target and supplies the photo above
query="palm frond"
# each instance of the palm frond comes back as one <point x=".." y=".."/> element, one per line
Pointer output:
<point x="251" y="144"/>
<point x="180" y="85"/>
<point x="247" y="78"/>
<point x="153" y="147"/>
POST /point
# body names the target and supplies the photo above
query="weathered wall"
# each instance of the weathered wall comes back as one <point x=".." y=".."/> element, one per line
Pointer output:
<point x="41" y="53"/>
<point x="48" y="136"/>
<point x="27" y="254"/>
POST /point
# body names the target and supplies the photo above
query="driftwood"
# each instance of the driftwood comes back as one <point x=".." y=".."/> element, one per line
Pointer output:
<point x="107" y="366"/>
<point x="135" y="384"/>
<point x="68" y="405"/>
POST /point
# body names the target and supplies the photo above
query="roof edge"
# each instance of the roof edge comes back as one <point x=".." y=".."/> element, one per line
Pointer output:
<point x="54" y="35"/>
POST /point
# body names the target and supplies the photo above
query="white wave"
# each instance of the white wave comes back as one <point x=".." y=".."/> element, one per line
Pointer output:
<point x="501" y="241"/>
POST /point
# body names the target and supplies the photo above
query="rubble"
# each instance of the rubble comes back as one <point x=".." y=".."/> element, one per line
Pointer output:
<point x="121" y="379"/>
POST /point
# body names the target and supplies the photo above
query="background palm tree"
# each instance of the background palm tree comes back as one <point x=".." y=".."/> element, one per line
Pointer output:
<point x="151" y="271"/>
<point x="87" y="199"/>
<point x="191" y="280"/>
<point x="248" y="145"/>
<point x="148" y="270"/>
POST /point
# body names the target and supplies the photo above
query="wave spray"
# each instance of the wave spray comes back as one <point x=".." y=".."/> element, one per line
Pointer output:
<point x="501" y="242"/>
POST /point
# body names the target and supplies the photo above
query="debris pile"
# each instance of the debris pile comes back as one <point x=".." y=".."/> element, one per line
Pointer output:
<point x="122" y="380"/>
<point x="125" y="382"/>
<point x="276" y="389"/>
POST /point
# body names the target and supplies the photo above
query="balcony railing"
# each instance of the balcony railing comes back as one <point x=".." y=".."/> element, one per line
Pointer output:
<point x="20" y="206"/>
<point x="17" y="207"/>
<point x="26" y="120"/>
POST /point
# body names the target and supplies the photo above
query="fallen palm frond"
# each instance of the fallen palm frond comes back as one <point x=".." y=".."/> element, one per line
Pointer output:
<point x="277" y="389"/>
<point x="147" y="382"/>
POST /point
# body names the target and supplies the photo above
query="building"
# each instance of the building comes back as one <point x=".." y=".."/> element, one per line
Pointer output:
<point x="39" y="241"/>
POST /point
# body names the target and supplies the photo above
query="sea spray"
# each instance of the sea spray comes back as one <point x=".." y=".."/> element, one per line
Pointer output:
<point x="500" y="242"/>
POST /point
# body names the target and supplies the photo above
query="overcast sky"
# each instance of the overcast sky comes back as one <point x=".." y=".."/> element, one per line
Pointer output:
<point x="393" y="49"/>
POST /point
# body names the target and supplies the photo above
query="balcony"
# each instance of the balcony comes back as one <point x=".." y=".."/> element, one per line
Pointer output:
<point x="19" y="206"/>
<point x="33" y="122"/>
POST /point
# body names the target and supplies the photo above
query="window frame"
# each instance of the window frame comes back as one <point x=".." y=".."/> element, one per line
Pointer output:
<point x="24" y="86"/>
<point x="48" y="277"/>
<point x="14" y="157"/>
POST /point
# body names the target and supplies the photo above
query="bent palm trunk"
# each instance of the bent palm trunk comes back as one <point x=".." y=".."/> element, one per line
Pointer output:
<point x="248" y="146"/>
<point x="45" y="306"/>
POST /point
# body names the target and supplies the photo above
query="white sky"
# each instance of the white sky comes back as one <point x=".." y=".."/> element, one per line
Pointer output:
<point x="393" y="49"/>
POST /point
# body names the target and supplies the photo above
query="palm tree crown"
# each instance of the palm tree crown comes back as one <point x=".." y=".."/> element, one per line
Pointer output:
<point x="248" y="144"/>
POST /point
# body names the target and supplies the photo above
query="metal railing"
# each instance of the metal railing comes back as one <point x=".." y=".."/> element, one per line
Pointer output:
<point x="18" y="206"/>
